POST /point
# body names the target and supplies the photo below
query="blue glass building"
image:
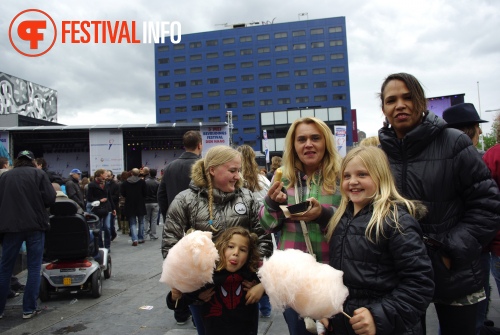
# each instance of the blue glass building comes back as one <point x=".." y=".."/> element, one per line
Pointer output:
<point x="265" y="75"/>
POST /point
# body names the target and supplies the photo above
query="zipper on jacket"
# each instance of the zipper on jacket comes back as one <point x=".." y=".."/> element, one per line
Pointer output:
<point x="403" y="169"/>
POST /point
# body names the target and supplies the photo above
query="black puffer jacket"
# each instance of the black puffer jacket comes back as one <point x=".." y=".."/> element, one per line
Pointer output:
<point x="392" y="278"/>
<point x="441" y="167"/>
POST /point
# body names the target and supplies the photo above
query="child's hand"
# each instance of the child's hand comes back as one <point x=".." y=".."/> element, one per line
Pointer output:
<point x="248" y="284"/>
<point x="254" y="294"/>
<point x="362" y="322"/>
<point x="206" y="295"/>
<point x="176" y="294"/>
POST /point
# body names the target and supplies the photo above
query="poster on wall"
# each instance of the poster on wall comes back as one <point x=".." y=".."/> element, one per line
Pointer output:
<point x="4" y="145"/>
<point x="212" y="136"/>
<point x="106" y="150"/>
<point x="341" y="139"/>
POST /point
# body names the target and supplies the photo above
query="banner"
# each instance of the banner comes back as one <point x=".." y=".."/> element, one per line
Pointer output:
<point x="341" y="139"/>
<point x="266" y="149"/>
<point x="106" y="150"/>
<point x="212" y="136"/>
<point x="4" y="145"/>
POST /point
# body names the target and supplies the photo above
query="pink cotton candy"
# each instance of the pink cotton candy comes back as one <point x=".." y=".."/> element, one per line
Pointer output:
<point x="190" y="263"/>
<point x="293" y="278"/>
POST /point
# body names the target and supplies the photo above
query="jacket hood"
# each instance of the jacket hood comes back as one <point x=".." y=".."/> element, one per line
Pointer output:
<point x="133" y="179"/>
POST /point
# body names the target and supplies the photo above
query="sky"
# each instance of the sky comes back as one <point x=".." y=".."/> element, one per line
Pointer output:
<point x="451" y="46"/>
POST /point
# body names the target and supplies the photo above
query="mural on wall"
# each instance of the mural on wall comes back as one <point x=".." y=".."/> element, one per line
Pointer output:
<point x="63" y="163"/>
<point x="19" y="96"/>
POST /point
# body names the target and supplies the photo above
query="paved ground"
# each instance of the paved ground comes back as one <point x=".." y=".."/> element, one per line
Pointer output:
<point x="133" y="302"/>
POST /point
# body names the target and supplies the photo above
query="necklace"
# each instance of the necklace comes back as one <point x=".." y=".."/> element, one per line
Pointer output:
<point x="311" y="189"/>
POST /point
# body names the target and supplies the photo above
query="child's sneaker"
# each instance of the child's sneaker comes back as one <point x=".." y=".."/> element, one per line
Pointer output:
<point x="32" y="314"/>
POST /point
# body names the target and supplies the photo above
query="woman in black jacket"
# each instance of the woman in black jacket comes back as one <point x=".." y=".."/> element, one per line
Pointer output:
<point x="440" y="167"/>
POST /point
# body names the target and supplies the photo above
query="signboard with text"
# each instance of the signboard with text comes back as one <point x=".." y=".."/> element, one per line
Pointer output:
<point x="212" y="136"/>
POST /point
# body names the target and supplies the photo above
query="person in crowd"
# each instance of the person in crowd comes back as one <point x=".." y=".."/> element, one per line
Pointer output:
<point x="25" y="195"/>
<point x="259" y="185"/>
<point x="114" y="192"/>
<point x="83" y="186"/>
<point x="238" y="261"/>
<point x="311" y="165"/>
<point x="176" y="178"/>
<point x="122" y="218"/>
<point x="4" y="165"/>
<point x="97" y="191"/>
<point x="152" y="209"/>
<point x="372" y="140"/>
<point x="440" y="167"/>
<point x="214" y="201"/>
<point x="73" y="190"/>
<point x="54" y="177"/>
<point x="275" y="163"/>
<point x="134" y="191"/>
<point x="376" y="240"/>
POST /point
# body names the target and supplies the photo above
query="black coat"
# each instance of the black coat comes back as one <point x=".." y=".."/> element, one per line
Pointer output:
<point x="95" y="192"/>
<point x="74" y="191"/>
<point x="134" y="192"/>
<point x="441" y="167"/>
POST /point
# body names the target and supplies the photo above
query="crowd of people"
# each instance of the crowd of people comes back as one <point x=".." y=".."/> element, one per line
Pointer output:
<point x="411" y="217"/>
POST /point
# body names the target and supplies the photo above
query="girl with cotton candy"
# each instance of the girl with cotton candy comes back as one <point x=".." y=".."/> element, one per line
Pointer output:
<point x="376" y="241"/>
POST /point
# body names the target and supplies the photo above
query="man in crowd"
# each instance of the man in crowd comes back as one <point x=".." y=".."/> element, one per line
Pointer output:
<point x="152" y="209"/>
<point x="73" y="189"/>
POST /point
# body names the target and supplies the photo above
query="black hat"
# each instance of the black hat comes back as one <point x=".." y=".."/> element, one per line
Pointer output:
<point x="461" y="115"/>
<point x="26" y="153"/>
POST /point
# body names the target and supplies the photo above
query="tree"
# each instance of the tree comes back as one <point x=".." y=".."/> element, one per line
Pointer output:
<point x="491" y="138"/>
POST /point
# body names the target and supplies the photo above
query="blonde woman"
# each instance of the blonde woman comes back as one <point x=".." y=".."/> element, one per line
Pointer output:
<point x="214" y="201"/>
<point x="376" y="241"/>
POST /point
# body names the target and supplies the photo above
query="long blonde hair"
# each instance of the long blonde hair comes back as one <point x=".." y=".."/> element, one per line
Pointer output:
<point x="330" y="166"/>
<point x="386" y="199"/>
<point x="249" y="168"/>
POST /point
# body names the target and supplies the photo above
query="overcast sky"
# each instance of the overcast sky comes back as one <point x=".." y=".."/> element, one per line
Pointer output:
<point x="449" y="45"/>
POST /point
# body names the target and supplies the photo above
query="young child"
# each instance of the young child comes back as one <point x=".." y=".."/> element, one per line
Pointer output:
<point x="228" y="307"/>
<point x="376" y="240"/>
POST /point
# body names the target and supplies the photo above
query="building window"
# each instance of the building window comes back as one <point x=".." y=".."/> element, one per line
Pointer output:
<point x="263" y="50"/>
<point x="338" y="83"/>
<point x="211" y="43"/>
<point x="247" y="77"/>
<point x="299" y="73"/>
<point x="246" y="51"/>
<point x="246" y="39"/>
<point x="195" y="57"/>
<point x="247" y="90"/>
<point x="164" y="97"/>
<point x="229" y="79"/>
<point x="230" y="66"/>
<point x="163" y="85"/>
<point x="299" y="46"/>
<point x="164" y="110"/>
<point x="246" y="64"/>
<point x="319" y="84"/>
<point x="196" y="82"/>
<point x="281" y="48"/>
<point x="265" y="76"/>
<point x="248" y="116"/>
<point x="230" y="92"/>
<point x="337" y="69"/>
<point x="266" y="102"/>
<point x="181" y="120"/>
<point x="213" y="80"/>
<point x="196" y="95"/>
<point x="317" y="31"/>
<point x="337" y="56"/>
<point x="339" y="97"/>
<point x="318" y="58"/>
<point x="319" y="71"/>
<point x="163" y="73"/>
<point x="196" y="69"/>
<point x="248" y="104"/>
<point x="231" y="105"/>
<point x="213" y="93"/>
<point x="197" y="119"/>
<point x="212" y="55"/>
<point x="317" y="45"/>
<point x="280" y="61"/>
<point x="228" y="41"/>
<point x="283" y="101"/>
<point x="180" y="97"/>
<point x="283" y="88"/>
<point x="229" y="53"/>
<point x="179" y="46"/>
<point x="280" y="35"/>
<point x="213" y="68"/>
<point x="181" y="109"/>
<point x="180" y="84"/>
<point x="302" y="86"/>
<point x="263" y="89"/>
<point x="298" y="33"/>
<point x="214" y="119"/>
<point x="249" y="130"/>
<point x="264" y="62"/>
<point x="282" y="74"/>
<point x="336" y="43"/>
<point x="335" y="29"/>
<point x="179" y="59"/>
<point x="193" y="45"/>
<point x="197" y="108"/>
<point x="263" y="37"/>
<point x="180" y="71"/>
<point x="301" y="99"/>
<point x="320" y="98"/>
<point x="300" y="59"/>
<point x="163" y="48"/>
<point x="163" y="61"/>
<point x="213" y="106"/>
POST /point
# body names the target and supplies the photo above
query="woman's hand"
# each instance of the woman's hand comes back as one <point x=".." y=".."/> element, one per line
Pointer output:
<point x="206" y="295"/>
<point x="312" y="214"/>
<point x="254" y="294"/>
<point x="362" y="322"/>
<point x="176" y="294"/>
<point x="276" y="194"/>
<point x="103" y="200"/>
